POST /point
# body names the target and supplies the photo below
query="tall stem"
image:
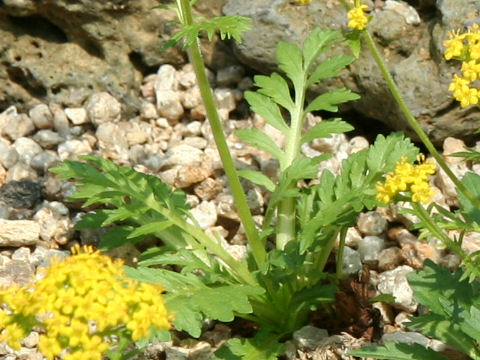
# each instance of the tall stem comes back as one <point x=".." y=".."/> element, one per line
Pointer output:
<point x="411" y="119"/>
<point x="244" y="213"/>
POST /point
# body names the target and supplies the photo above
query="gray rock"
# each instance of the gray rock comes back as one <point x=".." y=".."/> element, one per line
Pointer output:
<point x="102" y="108"/>
<point x="230" y="76"/>
<point x="309" y="337"/>
<point x="21" y="194"/>
<point x="21" y="254"/>
<point x="395" y="282"/>
<point x="15" y="272"/>
<point x="371" y="223"/>
<point x="70" y="149"/>
<point x="18" y="125"/>
<point x="413" y="51"/>
<point x="183" y="155"/>
<point x="44" y="160"/>
<point x="21" y="172"/>
<point x="389" y="258"/>
<point x="369" y="247"/>
<point x="351" y="262"/>
<point x="48" y="139"/>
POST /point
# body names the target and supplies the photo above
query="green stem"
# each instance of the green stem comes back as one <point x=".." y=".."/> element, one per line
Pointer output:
<point x="437" y="231"/>
<point x="286" y="209"/>
<point x="341" y="247"/>
<point x="244" y="213"/>
<point x="411" y="119"/>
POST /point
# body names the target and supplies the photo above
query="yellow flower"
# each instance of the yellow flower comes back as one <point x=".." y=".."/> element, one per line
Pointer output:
<point x="408" y="177"/>
<point x="77" y="300"/>
<point x="357" y="18"/>
<point x="304" y="1"/>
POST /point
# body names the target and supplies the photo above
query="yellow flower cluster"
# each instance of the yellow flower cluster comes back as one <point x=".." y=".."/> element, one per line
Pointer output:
<point x="408" y="177"/>
<point x="357" y="18"/>
<point x="465" y="47"/>
<point x="78" y="301"/>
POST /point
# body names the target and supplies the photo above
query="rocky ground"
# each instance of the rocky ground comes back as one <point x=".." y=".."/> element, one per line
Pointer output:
<point x="170" y="138"/>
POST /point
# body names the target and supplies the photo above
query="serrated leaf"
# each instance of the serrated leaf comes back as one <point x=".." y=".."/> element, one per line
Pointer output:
<point x="275" y="87"/>
<point x="317" y="42"/>
<point x="192" y="300"/>
<point x="471" y="154"/>
<point x="330" y="100"/>
<point x="257" y="178"/>
<point x="115" y="237"/>
<point x="329" y="68"/>
<point x="259" y="139"/>
<point x="397" y="351"/>
<point x="150" y="228"/>
<point x="291" y="62"/>
<point x="266" y="108"/>
<point x="264" y="346"/>
<point x="326" y="128"/>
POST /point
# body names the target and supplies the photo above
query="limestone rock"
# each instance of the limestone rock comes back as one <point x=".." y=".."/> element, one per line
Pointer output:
<point x="19" y="232"/>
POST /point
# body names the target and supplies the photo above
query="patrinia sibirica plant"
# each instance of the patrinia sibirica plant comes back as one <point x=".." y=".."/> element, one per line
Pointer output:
<point x="276" y="288"/>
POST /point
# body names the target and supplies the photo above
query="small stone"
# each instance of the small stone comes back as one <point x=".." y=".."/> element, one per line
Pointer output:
<point x="70" y="149"/>
<point x="371" y="223"/>
<point x="112" y="141"/>
<point x="226" y="102"/>
<point x="353" y="237"/>
<point x="395" y="282"/>
<point x="8" y="155"/>
<point x="309" y="337"/>
<point x="48" y="139"/>
<point x="357" y="144"/>
<point x="15" y="272"/>
<point x="31" y="340"/>
<point x="389" y="258"/>
<point x="52" y="227"/>
<point x="166" y="78"/>
<point x="369" y="247"/>
<point x="205" y="214"/>
<point x="188" y="175"/>
<point x="26" y="149"/>
<point x="193" y="128"/>
<point x="191" y="98"/>
<point x="208" y="189"/>
<point x="230" y="76"/>
<point x="41" y="116"/>
<point x="21" y="194"/>
<point x="148" y="110"/>
<point x="351" y="261"/>
<point x="19" y="233"/>
<point x="386" y="312"/>
<point x="103" y="108"/>
<point x="21" y="172"/>
<point x="409" y="14"/>
<point x="329" y="145"/>
<point x="78" y="116"/>
<point x="196" y="142"/>
<point x="44" y="161"/>
<point x="255" y="201"/>
<point x="183" y="155"/>
<point x="60" y="121"/>
<point x="186" y="76"/>
<point x="19" y="126"/>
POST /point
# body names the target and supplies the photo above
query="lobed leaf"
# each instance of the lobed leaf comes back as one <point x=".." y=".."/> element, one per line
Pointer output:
<point x="275" y="87"/>
<point x="398" y="351"/>
<point x="329" y="68"/>
<point x="257" y="178"/>
<point x="259" y="139"/>
<point x="330" y="100"/>
<point x="326" y="128"/>
<point x="269" y="110"/>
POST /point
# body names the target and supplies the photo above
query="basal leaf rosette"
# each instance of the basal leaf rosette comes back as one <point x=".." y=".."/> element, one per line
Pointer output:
<point x="78" y="302"/>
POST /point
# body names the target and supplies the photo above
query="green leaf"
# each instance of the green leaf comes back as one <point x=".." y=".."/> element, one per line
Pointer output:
<point x="257" y="178"/>
<point x="472" y="182"/>
<point x="326" y="128"/>
<point x="396" y="351"/>
<point x="264" y="346"/>
<point x="150" y="228"/>
<point x="228" y="26"/>
<point x="330" y="100"/>
<point x="318" y="42"/>
<point x="266" y="108"/>
<point x="471" y="154"/>
<point x="291" y="62"/>
<point x="329" y="68"/>
<point x="275" y="87"/>
<point x="434" y="282"/>
<point x="191" y="300"/>
<point x="259" y="139"/>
